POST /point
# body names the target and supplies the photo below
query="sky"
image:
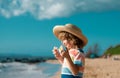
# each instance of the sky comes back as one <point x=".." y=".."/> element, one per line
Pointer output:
<point x="26" y="25"/>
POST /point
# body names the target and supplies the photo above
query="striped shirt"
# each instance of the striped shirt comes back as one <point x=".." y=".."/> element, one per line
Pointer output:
<point x="78" y="59"/>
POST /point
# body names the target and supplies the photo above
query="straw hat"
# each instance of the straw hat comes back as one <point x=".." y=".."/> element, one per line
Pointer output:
<point x="71" y="29"/>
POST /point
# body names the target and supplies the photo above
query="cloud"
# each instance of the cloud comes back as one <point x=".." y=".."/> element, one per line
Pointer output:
<point x="48" y="9"/>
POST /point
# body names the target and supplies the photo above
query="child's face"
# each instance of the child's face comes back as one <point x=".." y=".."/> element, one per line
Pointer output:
<point x="68" y="44"/>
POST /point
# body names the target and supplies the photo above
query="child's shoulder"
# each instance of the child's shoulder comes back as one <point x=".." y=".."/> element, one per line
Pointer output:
<point x="76" y="52"/>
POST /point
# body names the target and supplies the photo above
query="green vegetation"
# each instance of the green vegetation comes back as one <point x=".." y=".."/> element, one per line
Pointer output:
<point x="93" y="51"/>
<point x="113" y="50"/>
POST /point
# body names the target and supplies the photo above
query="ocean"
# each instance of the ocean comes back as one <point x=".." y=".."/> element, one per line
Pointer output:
<point x="25" y="70"/>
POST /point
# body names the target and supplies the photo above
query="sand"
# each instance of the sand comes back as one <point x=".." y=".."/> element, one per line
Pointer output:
<point x="102" y="68"/>
<point x="98" y="68"/>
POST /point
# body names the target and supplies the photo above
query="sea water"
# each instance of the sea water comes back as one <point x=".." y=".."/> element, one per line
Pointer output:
<point x="24" y="70"/>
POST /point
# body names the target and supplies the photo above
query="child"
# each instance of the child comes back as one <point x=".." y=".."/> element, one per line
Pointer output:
<point x="72" y="59"/>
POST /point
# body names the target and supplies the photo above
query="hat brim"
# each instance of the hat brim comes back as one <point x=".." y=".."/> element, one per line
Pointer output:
<point x="57" y="29"/>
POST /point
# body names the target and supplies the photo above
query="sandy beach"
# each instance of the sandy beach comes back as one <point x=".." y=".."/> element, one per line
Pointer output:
<point x="98" y="68"/>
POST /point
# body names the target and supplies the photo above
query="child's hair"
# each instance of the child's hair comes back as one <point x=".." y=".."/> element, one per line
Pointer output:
<point x="68" y="36"/>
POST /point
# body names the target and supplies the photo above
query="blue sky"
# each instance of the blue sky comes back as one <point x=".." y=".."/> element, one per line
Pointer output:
<point x="26" y="25"/>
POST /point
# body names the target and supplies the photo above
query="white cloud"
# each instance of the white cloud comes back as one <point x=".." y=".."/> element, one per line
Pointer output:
<point x="48" y="9"/>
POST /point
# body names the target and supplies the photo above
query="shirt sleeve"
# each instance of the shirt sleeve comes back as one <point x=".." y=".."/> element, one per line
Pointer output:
<point x="79" y="60"/>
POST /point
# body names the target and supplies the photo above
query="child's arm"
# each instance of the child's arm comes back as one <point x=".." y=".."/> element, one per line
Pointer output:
<point x="60" y="60"/>
<point x="73" y="67"/>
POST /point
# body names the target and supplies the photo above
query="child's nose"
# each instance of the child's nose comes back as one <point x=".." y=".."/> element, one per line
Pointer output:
<point x="64" y="42"/>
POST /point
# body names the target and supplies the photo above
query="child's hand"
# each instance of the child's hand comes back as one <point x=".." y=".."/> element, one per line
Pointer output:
<point x="65" y="54"/>
<point x="56" y="53"/>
